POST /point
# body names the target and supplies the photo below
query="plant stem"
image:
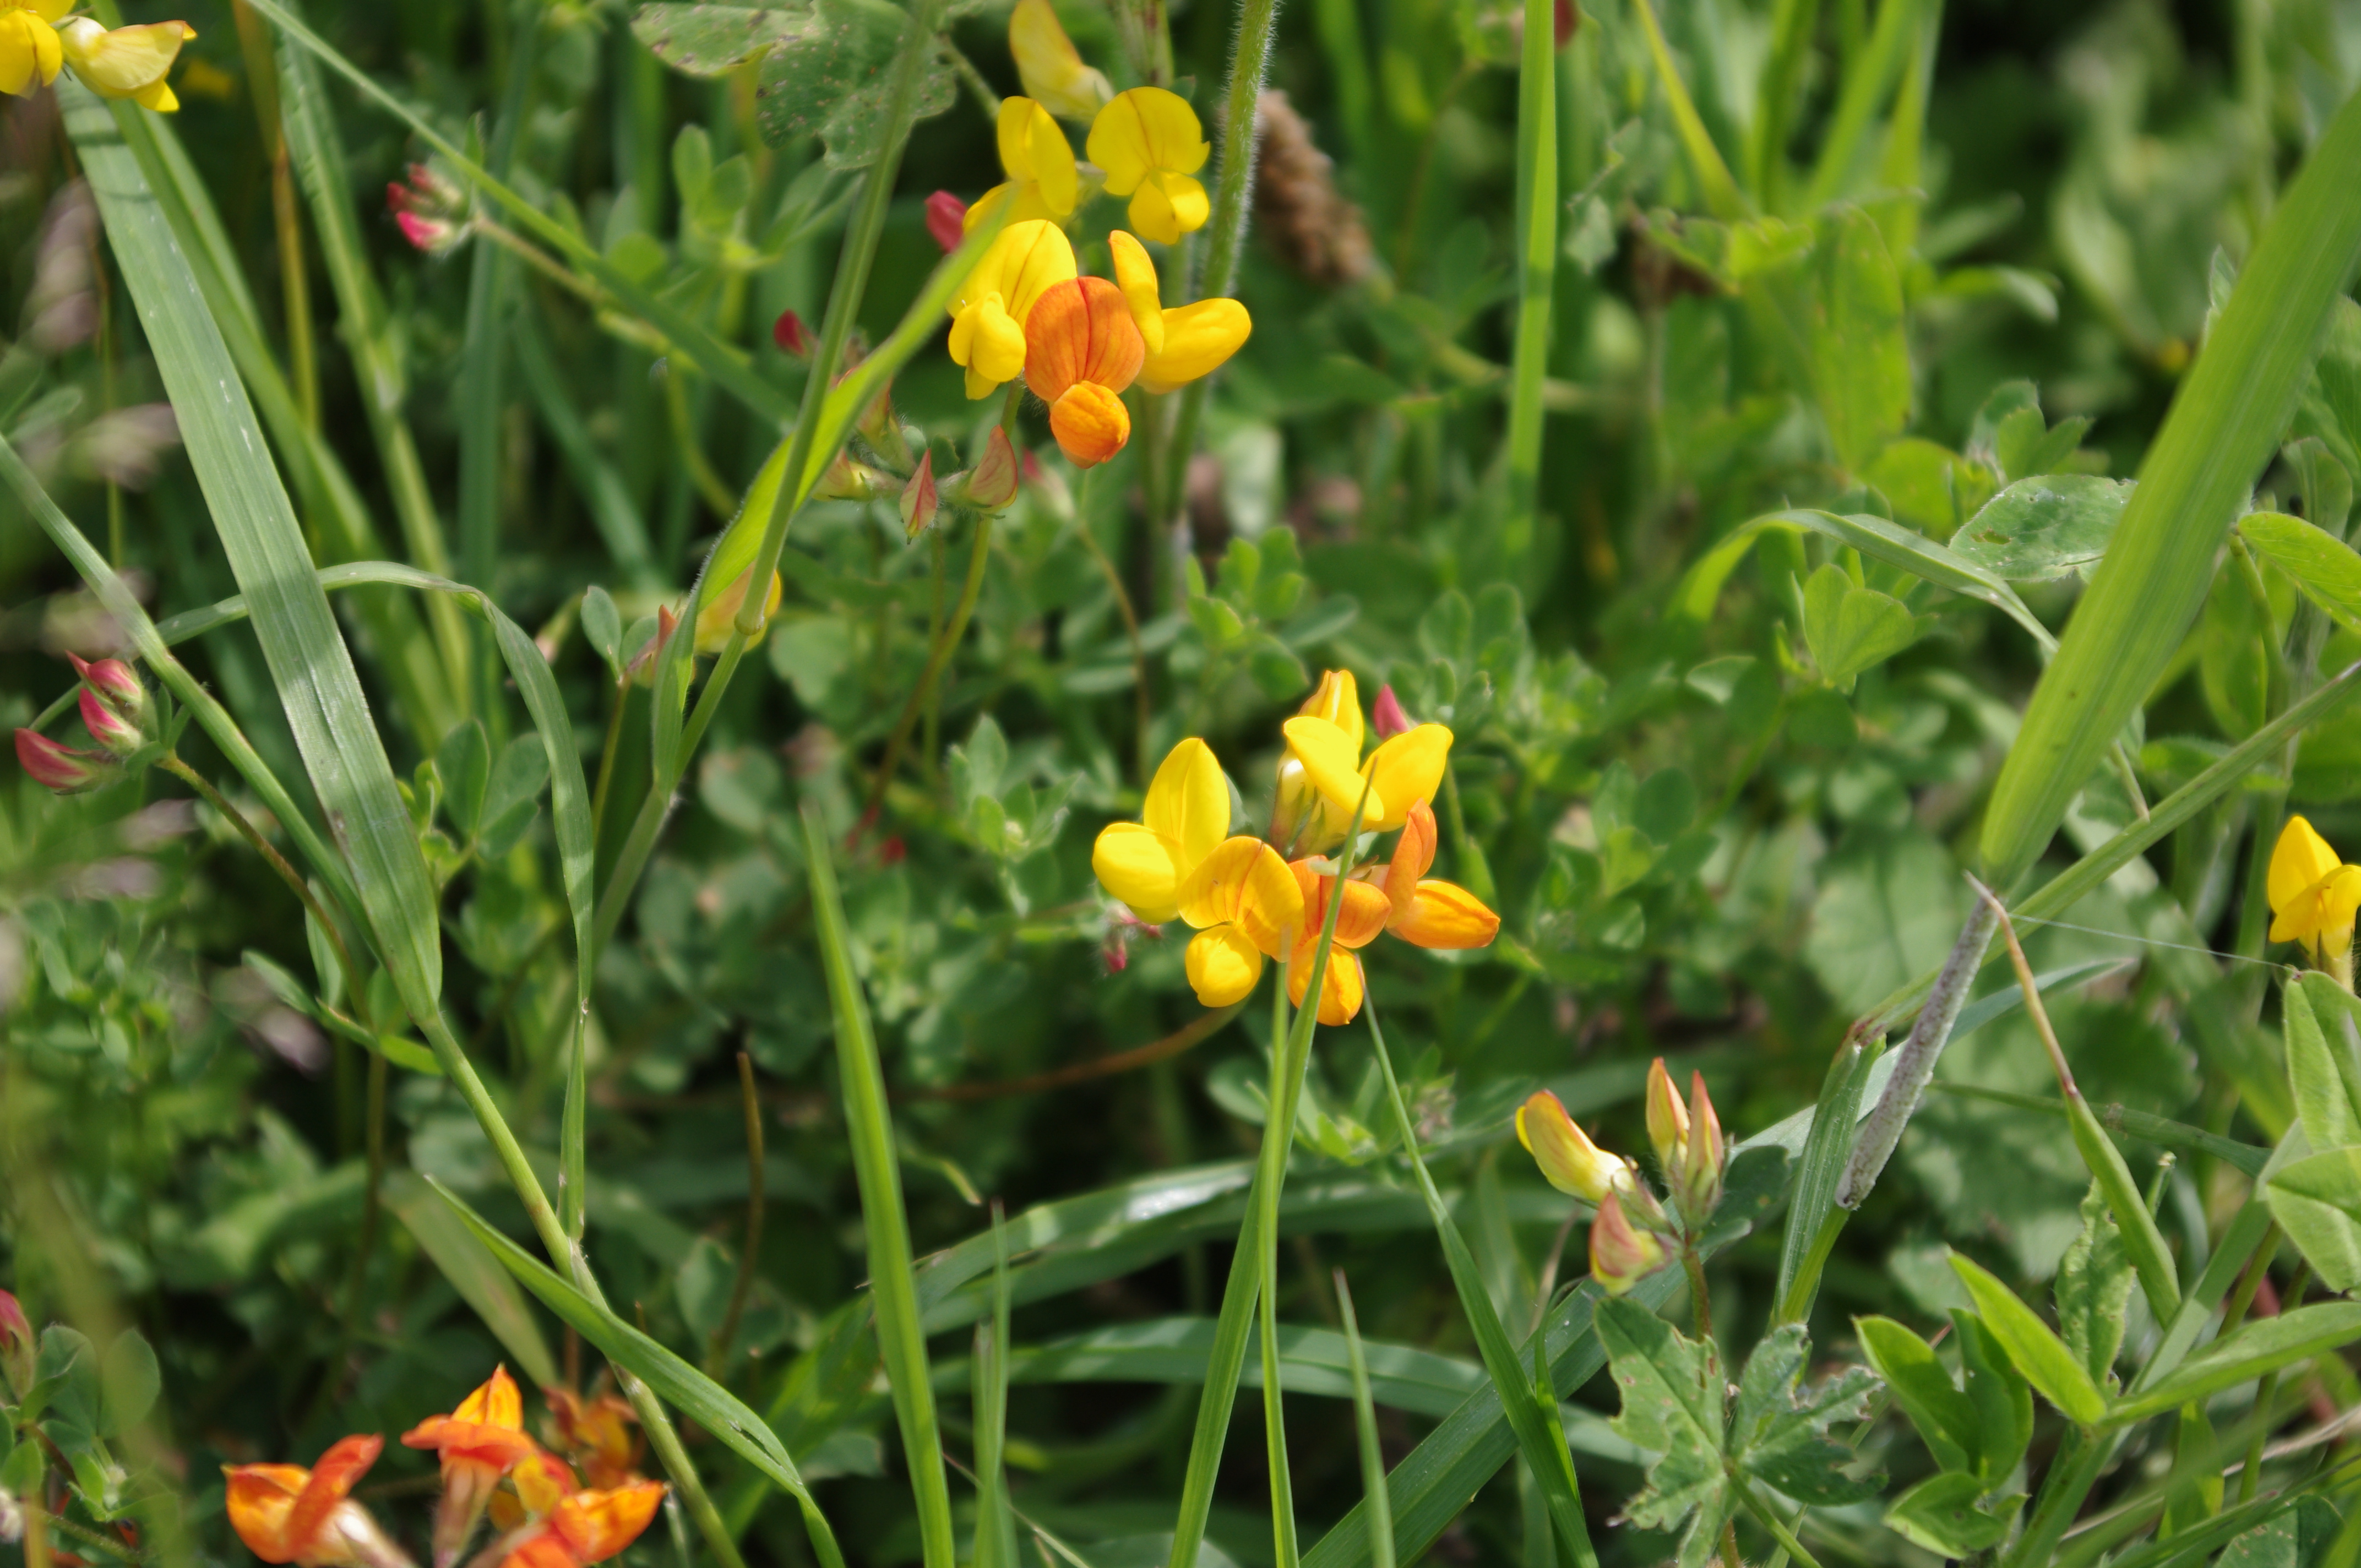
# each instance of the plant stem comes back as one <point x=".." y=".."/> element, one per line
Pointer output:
<point x="1124" y="608"/>
<point x="1537" y="202"/>
<point x="937" y="657"/>
<point x="1700" y="1299"/>
<point x="717" y="1353"/>
<point x="1768" y="1520"/>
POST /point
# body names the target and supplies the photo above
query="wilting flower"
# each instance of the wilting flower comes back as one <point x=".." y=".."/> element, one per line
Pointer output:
<point x="585" y="1527"/>
<point x="718" y="619"/>
<point x="1145" y="864"/>
<point x="1621" y="1255"/>
<point x="285" y="1513"/>
<point x="1040" y="163"/>
<point x="990" y="311"/>
<point x="64" y="769"/>
<point x="600" y="1433"/>
<point x="1082" y="350"/>
<point x="125" y="62"/>
<point x="1150" y="144"/>
<point x="1183" y="343"/>
<point x="946" y="220"/>
<point x="480" y="1443"/>
<point x="29" y="52"/>
<point x="1357" y="925"/>
<point x="1424" y="910"/>
<point x="919" y="500"/>
<point x="1050" y="66"/>
<point x="2313" y="897"/>
<point x="1569" y="1161"/>
<point x="1690" y="1149"/>
<point x="1245" y="906"/>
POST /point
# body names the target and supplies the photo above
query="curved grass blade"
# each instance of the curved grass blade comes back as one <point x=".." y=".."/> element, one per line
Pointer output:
<point x="1365" y="1427"/>
<point x="473" y="1272"/>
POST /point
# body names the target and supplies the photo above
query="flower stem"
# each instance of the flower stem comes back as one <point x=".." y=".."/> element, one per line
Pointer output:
<point x="937" y="657"/>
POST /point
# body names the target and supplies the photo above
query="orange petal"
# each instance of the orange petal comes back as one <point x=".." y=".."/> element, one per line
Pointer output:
<point x="1357" y="923"/>
<point x="1340" y="987"/>
<point x="597" y="1524"/>
<point x="1090" y="422"/>
<point x="337" y="1472"/>
<point x="498" y="1403"/>
<point x="1081" y="330"/>
<point x="1444" y="915"/>
<point x="1413" y="853"/>
<point x="261" y="1497"/>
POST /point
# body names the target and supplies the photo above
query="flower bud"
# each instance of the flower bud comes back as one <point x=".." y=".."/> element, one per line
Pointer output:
<point x="791" y="336"/>
<point x="117" y="735"/>
<point x="63" y="768"/>
<point x="993" y="483"/>
<point x="1697" y="1185"/>
<point x="1568" y="1159"/>
<point x="919" y="500"/>
<point x="1621" y="1255"/>
<point x="116" y="683"/>
<point x="946" y="220"/>
<point x="1387" y="717"/>
<point x="846" y="480"/>
<point x="1668" y="1121"/>
<point x="428" y="210"/>
<point x="17" y="1343"/>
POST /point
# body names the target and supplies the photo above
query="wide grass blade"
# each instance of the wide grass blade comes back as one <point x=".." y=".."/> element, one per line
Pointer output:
<point x="877" y="1165"/>
<point x="309" y="663"/>
<point x="2223" y="427"/>
<point x="474" y="1272"/>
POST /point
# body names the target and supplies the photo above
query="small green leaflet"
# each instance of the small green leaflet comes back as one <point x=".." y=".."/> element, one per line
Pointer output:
<point x="1779" y="1428"/>
<point x="2094" y="1288"/>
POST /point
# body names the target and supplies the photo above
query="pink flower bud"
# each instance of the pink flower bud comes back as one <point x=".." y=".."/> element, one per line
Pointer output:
<point x="1387" y="717"/>
<point x="946" y="220"/>
<point x="919" y="500"/>
<point x="789" y="334"/>
<point x="118" y="734"/>
<point x="428" y="235"/>
<point x="993" y="484"/>
<point x="1621" y="1255"/>
<point x="1565" y="22"/>
<point x="116" y="684"/>
<point x="61" y="767"/>
<point x="17" y="1343"/>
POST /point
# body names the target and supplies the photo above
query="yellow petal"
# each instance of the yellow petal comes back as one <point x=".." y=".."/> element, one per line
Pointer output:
<point x="1188" y="804"/>
<point x="1444" y="915"/>
<point x="1134" y="274"/>
<point x="1337" y="699"/>
<point x="2340" y="898"/>
<point x="30" y="55"/>
<point x="1223" y="966"/>
<point x="1034" y="150"/>
<point x="1243" y="879"/>
<point x="1146" y="129"/>
<point x="125" y="60"/>
<point x="1026" y="258"/>
<point x="997" y="348"/>
<point x="1190" y="206"/>
<point x="1569" y="1161"/>
<point x="1049" y="65"/>
<point x="1668" y="1119"/>
<point x="1139" y="867"/>
<point x="2298" y="862"/>
<point x="1341" y="988"/>
<point x="1405" y="769"/>
<point x="1332" y="762"/>
<point x="1357" y="923"/>
<point x="158" y="95"/>
<point x="1197" y="340"/>
<point x="982" y="207"/>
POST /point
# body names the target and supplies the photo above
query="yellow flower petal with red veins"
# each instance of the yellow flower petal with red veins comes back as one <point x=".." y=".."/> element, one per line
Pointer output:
<point x="1081" y="331"/>
<point x="1444" y="915"/>
<point x="123" y="62"/>
<point x="1244" y="881"/>
<point x="1149" y="142"/>
<point x="988" y="314"/>
<point x="1050" y="66"/>
<point x="1569" y="1161"/>
<point x="1189" y="801"/>
<point x="1139" y="868"/>
<point x="1340" y="987"/>
<point x="1091" y="424"/>
<point x="1407" y="768"/>
<point x="1357" y="923"/>
<point x="1134" y="274"/>
<point x="1222" y="965"/>
<point x="597" y="1524"/>
<point x="1332" y="761"/>
<point x="29" y="52"/>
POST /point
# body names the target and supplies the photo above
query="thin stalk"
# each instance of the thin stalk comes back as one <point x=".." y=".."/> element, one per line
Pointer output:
<point x="716" y="1352"/>
<point x="1537" y="202"/>
<point x="1769" y="1519"/>
<point x="937" y="657"/>
<point x="1700" y="1297"/>
<point x="930" y="739"/>
<point x="1365" y="1426"/>
<point x="710" y="485"/>
<point x="286" y="214"/>
<point x="1274" y="1416"/>
<point x="1124" y="608"/>
<point x="37" y="1515"/>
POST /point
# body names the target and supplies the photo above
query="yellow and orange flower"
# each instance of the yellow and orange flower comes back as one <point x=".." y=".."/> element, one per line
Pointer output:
<point x="1357" y="925"/>
<point x="1424" y="910"/>
<point x="1150" y="144"/>
<point x="1621" y="1255"/>
<point x="478" y="1442"/>
<point x="1183" y="343"/>
<point x="285" y="1513"/>
<point x="1322" y="778"/>
<point x="1569" y="1161"/>
<point x="1246" y="908"/>
<point x="990" y="310"/>
<point x="584" y="1528"/>
<point x="125" y="62"/>
<point x="1081" y="349"/>
<point x="601" y="1433"/>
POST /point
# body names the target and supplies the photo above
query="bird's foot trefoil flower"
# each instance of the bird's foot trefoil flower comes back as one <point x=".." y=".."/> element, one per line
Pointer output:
<point x="478" y="1443"/>
<point x="125" y="62"/>
<point x="1040" y="162"/>
<point x="66" y="770"/>
<point x="1051" y="67"/>
<point x="990" y="311"/>
<point x="600" y="1431"/>
<point x="1690" y="1149"/>
<point x="1184" y="343"/>
<point x="1621" y="1254"/>
<point x="1569" y="1161"/>
<point x="1424" y="910"/>
<point x="1150" y="144"/>
<point x="2314" y="898"/>
<point x="285" y="1513"/>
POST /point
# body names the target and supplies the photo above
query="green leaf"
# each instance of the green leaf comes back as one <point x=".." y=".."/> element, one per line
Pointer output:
<point x="1861" y="354"/>
<point x="1779" y="1428"/>
<point x="2094" y="1286"/>
<point x="2260" y="1346"/>
<point x="827" y="77"/>
<point x="2142" y="1241"/>
<point x="1817" y="1173"/>
<point x="2311" y="1196"/>
<point x="1945" y="1417"/>
<point x="1671" y="1391"/>
<point x="475" y="1273"/>
<point x="465" y="762"/>
<point x="2299" y="1538"/>
<point x="1850" y="630"/>
<point x="2225" y="420"/>
<point x="2035" y="1350"/>
<point x="712" y="40"/>
<point x="2003" y="1398"/>
<point x="2323" y="1106"/>
<point x="1945" y="1514"/>
<point x="1887" y="908"/>
<point x="129" y="1382"/>
<point x="2322" y="565"/>
<point x="2056" y="525"/>
<point x="602" y="625"/>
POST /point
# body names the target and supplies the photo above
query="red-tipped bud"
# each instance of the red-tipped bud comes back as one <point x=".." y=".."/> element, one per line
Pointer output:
<point x="63" y="768"/>
<point x="919" y="500"/>
<point x="16" y="1344"/>
<point x="1386" y="715"/>
<point x="992" y="485"/>
<point x="1697" y="1185"/>
<point x="789" y="332"/>
<point x="1566" y="23"/>
<point x="1621" y="1255"/>
<point x="1668" y="1120"/>
<point x="116" y="683"/>
<point x="431" y="236"/>
<point x="946" y="220"/>
<point x="116" y="734"/>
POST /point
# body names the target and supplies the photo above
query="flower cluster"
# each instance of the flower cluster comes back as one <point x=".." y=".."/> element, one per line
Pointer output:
<point x="544" y="1517"/>
<point x="1636" y="1233"/>
<point x="2313" y="897"/>
<point x="119" y="717"/>
<point x="1250" y="899"/>
<point x="39" y="37"/>
<point x="1026" y="309"/>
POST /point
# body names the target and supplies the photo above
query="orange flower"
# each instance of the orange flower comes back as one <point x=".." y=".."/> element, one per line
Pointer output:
<point x="1081" y="349"/>
<point x="285" y="1513"/>
<point x="598" y="1432"/>
<point x="480" y="1443"/>
<point x="538" y="1483"/>
<point x="1426" y="911"/>
<point x="586" y="1528"/>
<point x="1357" y="925"/>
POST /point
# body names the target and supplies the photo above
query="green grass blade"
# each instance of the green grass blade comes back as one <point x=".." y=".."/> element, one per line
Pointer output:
<point x="2150" y="1129"/>
<point x="996" y="1529"/>
<point x="491" y="306"/>
<point x="1868" y="80"/>
<point x="1365" y="1426"/>
<point x="668" y="1377"/>
<point x="306" y="655"/>
<point x="2260" y="1346"/>
<point x="1816" y="1174"/>
<point x="871" y="1128"/>
<point x="1793" y="22"/>
<point x="1714" y="182"/>
<point x="474" y="1272"/>
<point x="1537" y="204"/>
<point x="2223" y="427"/>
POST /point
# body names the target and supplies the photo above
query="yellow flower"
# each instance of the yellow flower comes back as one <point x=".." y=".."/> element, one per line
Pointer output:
<point x="29" y="54"/>
<point x="1050" y="66"/>
<point x="1246" y="905"/>
<point x="1145" y="864"/>
<point x="1428" y="912"/>
<point x="1040" y="164"/>
<point x="1357" y="925"/>
<point x="989" y="311"/>
<point x="2314" y="898"/>
<point x="1569" y="1161"/>
<point x="1322" y="779"/>
<point x="126" y="62"/>
<point x="1185" y="342"/>
<point x="1149" y="143"/>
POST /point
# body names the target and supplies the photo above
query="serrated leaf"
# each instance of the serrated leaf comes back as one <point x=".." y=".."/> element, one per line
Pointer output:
<point x="1945" y="1418"/>
<point x="1670" y="1389"/>
<point x="1779" y="1428"/>
<point x="2040" y="1354"/>
<point x="2053" y="525"/>
<point x="1945" y="1515"/>
<point x="2094" y="1286"/>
